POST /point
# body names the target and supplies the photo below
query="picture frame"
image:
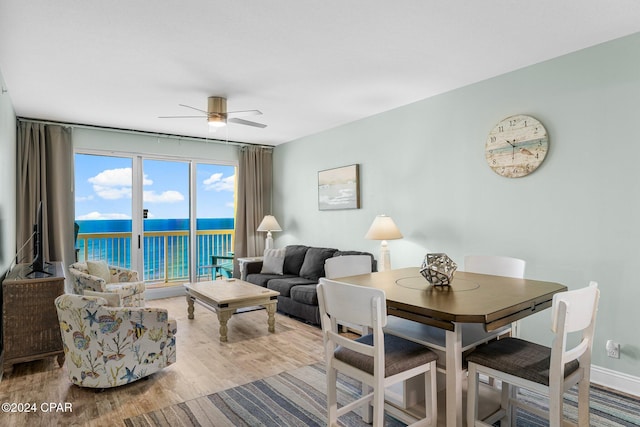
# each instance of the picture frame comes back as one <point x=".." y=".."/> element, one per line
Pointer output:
<point x="339" y="188"/>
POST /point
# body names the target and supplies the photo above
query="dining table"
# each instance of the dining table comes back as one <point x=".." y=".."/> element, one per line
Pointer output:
<point x="472" y="309"/>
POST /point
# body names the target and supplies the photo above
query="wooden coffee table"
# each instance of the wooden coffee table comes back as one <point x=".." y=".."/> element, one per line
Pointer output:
<point x="225" y="296"/>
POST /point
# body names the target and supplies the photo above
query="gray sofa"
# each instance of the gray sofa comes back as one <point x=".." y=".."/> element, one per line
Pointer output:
<point x="303" y="266"/>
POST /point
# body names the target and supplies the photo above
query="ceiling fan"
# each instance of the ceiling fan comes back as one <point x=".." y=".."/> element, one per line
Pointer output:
<point x="218" y="116"/>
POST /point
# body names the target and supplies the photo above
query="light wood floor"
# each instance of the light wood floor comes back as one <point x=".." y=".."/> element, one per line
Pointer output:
<point x="204" y="366"/>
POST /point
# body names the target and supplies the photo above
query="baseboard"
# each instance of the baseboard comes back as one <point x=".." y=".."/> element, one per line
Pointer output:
<point x="615" y="380"/>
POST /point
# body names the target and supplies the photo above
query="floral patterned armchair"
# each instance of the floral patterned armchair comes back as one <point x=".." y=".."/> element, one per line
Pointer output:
<point x="109" y="346"/>
<point x="107" y="281"/>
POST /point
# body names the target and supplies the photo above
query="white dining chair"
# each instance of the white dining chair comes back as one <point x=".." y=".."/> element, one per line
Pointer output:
<point x="497" y="266"/>
<point x="377" y="360"/>
<point x="348" y="265"/>
<point x="545" y="370"/>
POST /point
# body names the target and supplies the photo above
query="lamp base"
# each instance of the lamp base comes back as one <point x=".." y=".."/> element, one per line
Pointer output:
<point x="268" y="243"/>
<point x="384" y="263"/>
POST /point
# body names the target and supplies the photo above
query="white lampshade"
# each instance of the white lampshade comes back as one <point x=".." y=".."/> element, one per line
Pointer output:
<point x="269" y="224"/>
<point x="383" y="228"/>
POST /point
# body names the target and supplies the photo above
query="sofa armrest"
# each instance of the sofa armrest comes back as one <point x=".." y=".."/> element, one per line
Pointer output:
<point x="252" y="267"/>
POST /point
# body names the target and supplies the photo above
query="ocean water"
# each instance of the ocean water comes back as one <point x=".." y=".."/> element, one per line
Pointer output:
<point x="166" y="257"/>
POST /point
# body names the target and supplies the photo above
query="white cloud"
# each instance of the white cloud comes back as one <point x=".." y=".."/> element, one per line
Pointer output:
<point x="98" y="215"/>
<point x="112" y="193"/>
<point x="170" y="196"/>
<point x="113" y="184"/>
<point x="216" y="182"/>
<point x="84" y="198"/>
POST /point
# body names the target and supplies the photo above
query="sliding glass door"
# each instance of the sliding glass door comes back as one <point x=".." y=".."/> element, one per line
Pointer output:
<point x="170" y="220"/>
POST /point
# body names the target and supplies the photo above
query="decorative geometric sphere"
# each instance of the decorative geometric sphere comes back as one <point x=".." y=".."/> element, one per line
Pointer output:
<point x="438" y="269"/>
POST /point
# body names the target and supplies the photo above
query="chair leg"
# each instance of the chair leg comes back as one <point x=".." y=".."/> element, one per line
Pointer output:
<point x="505" y="403"/>
<point x="378" y="407"/>
<point x="430" y="395"/>
<point x="332" y="397"/>
<point x="555" y="404"/>
<point x="472" y="395"/>
<point x="367" y="411"/>
<point x="583" y="402"/>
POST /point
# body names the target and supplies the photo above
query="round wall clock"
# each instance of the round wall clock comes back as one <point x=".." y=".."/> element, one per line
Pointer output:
<point x="516" y="146"/>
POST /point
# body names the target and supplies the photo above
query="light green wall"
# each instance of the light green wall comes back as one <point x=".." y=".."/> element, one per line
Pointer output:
<point x="7" y="179"/>
<point x="575" y="219"/>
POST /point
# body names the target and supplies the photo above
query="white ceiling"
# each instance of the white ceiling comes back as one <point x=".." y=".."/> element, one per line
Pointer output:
<point x="308" y="65"/>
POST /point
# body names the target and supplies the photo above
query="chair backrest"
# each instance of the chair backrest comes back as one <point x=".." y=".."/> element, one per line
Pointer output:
<point x="347" y="265"/>
<point x="496" y="265"/>
<point x="574" y="311"/>
<point x="351" y="303"/>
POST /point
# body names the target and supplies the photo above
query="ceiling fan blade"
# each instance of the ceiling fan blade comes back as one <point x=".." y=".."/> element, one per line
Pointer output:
<point x="182" y="117"/>
<point x="246" y="122"/>
<point x="244" y="113"/>
<point x="194" y="108"/>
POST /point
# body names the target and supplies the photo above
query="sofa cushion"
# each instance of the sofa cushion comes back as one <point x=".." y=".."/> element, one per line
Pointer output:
<point x="305" y="294"/>
<point x="374" y="264"/>
<point x="263" y="279"/>
<point x="273" y="261"/>
<point x="284" y="285"/>
<point x="99" y="269"/>
<point x="313" y="265"/>
<point x="293" y="259"/>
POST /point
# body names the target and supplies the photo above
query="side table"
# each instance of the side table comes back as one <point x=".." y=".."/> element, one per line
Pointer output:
<point x="30" y="328"/>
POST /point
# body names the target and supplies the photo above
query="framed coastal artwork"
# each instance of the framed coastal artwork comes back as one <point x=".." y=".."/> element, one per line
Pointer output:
<point x="339" y="188"/>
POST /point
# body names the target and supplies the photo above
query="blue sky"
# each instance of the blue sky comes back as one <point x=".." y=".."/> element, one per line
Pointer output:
<point x="103" y="188"/>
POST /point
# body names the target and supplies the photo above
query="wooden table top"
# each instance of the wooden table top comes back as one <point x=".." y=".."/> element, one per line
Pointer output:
<point x="229" y="291"/>
<point x="494" y="301"/>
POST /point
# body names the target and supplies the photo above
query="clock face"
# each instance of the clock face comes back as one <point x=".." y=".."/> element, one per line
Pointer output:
<point x="516" y="146"/>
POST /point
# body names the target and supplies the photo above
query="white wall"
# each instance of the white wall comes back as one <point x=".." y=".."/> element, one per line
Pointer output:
<point x="577" y="218"/>
<point x="7" y="178"/>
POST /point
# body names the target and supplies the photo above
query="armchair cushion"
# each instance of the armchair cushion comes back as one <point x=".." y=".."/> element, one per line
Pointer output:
<point x="99" y="269"/>
<point x="110" y="346"/>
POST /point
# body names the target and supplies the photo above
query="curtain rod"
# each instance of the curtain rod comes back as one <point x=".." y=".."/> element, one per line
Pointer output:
<point x="140" y="132"/>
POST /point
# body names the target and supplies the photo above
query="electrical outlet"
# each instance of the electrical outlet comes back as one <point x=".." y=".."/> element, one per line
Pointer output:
<point x="613" y="349"/>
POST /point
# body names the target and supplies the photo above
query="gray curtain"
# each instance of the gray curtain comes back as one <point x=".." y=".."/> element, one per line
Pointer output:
<point x="254" y="200"/>
<point x="45" y="173"/>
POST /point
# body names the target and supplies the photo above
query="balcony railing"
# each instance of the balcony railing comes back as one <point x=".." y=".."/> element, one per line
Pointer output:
<point x="166" y="253"/>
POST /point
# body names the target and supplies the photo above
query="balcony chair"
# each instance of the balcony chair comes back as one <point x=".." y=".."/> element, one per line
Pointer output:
<point x="119" y="286"/>
<point x="110" y="346"/>
<point x="550" y="371"/>
<point x="377" y="360"/>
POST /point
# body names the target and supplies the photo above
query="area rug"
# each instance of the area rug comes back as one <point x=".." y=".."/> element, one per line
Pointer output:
<point x="297" y="398"/>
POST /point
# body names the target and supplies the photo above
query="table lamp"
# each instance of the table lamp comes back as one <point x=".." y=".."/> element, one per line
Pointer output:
<point x="269" y="224"/>
<point x="383" y="228"/>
